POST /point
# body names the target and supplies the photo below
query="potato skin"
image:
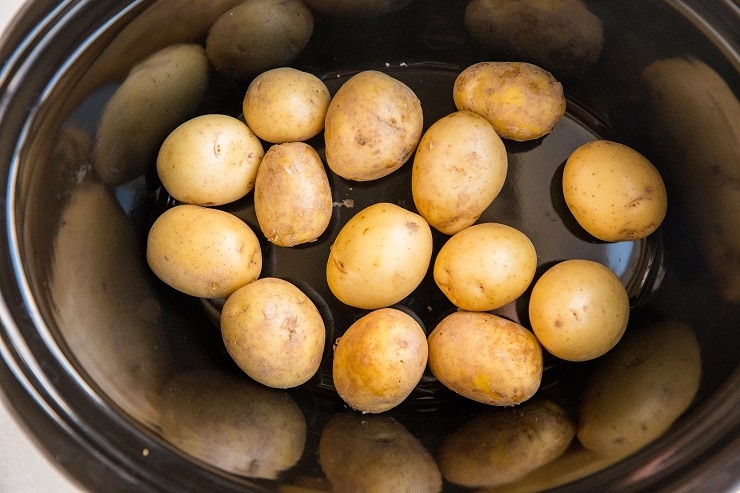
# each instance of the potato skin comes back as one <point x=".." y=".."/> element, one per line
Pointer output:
<point x="372" y="127"/>
<point x="379" y="360"/>
<point x="486" y="358"/>
<point x="379" y="257"/>
<point x="522" y="101"/>
<point x="292" y="198"/>
<point x="459" y="168"/>
<point x="631" y="202"/>
<point x="286" y="105"/>
<point x="578" y="310"/>
<point x="485" y="266"/>
<point x="209" y="160"/>
<point x="274" y="332"/>
<point x="203" y="252"/>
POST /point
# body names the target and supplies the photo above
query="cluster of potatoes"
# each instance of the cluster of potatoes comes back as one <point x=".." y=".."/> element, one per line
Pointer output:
<point x="373" y="125"/>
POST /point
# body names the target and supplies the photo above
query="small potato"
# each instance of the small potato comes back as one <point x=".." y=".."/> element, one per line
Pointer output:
<point x="274" y="332"/>
<point x="579" y="310"/>
<point x="504" y="445"/>
<point x="638" y="390"/>
<point x="286" y="105"/>
<point x="459" y="168"/>
<point x="379" y="360"/>
<point x="486" y="358"/>
<point x="373" y="125"/>
<point x="522" y="101"/>
<point x="209" y="160"/>
<point x="203" y="252"/>
<point x="379" y="257"/>
<point x="613" y="191"/>
<point x="292" y="198"/>
<point x="485" y="266"/>
<point x="258" y="35"/>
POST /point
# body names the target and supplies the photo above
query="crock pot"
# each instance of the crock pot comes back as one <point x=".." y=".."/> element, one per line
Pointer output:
<point x="127" y="383"/>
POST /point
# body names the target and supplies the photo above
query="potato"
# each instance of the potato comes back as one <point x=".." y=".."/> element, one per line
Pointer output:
<point x="232" y="423"/>
<point x="286" y="105"/>
<point x="379" y="360"/>
<point x="639" y="389"/>
<point x="459" y="168"/>
<point x="274" y="332"/>
<point x="209" y="160"/>
<point x="203" y="252"/>
<point x="522" y="101"/>
<point x="258" y="35"/>
<point x="503" y="445"/>
<point x="372" y="127"/>
<point x="375" y="454"/>
<point x="486" y="358"/>
<point x="578" y="310"/>
<point x="613" y="191"/>
<point x="562" y="36"/>
<point x="485" y="266"/>
<point x="156" y="96"/>
<point x="292" y="198"/>
<point x="379" y="256"/>
<point x="356" y="8"/>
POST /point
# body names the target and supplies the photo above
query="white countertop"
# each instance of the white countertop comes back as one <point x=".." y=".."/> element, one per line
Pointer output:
<point x="23" y="466"/>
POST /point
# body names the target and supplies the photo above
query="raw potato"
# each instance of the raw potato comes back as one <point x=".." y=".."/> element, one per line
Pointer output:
<point x="274" y="332"/>
<point x="579" y="310"/>
<point x="203" y="252"/>
<point x="157" y="95"/>
<point x="504" y="445"/>
<point x="356" y="8"/>
<point x="459" y="168"/>
<point x="522" y="101"/>
<point x="379" y="360"/>
<point x="485" y="266"/>
<point x="562" y="36"/>
<point x="286" y="105"/>
<point x="373" y="125"/>
<point x="613" y="191"/>
<point x="258" y="35"/>
<point x="379" y="257"/>
<point x="638" y="390"/>
<point x="375" y="454"/>
<point x="486" y="358"/>
<point x="209" y="160"/>
<point x="292" y="198"/>
<point x="232" y="423"/>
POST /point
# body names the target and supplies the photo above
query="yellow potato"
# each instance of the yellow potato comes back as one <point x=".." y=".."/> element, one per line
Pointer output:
<point x="286" y="105"/>
<point x="459" y="168"/>
<point x="274" y="332"/>
<point x="485" y="266"/>
<point x="522" y="101"/>
<point x="292" y="198"/>
<point x="486" y="358"/>
<point x="375" y="454"/>
<point x="209" y="160"/>
<point x="579" y="310"/>
<point x="379" y="360"/>
<point x="504" y="445"/>
<point x="258" y="35"/>
<point x="379" y="257"/>
<point x="373" y="125"/>
<point x="203" y="252"/>
<point x="639" y="389"/>
<point x="613" y="191"/>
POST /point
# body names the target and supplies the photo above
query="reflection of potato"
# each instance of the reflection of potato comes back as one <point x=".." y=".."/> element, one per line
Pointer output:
<point x="375" y="454"/>
<point x="639" y="389"/>
<point x="233" y="424"/>
<point x="561" y="35"/>
<point x="356" y="8"/>
<point x="503" y="445"/>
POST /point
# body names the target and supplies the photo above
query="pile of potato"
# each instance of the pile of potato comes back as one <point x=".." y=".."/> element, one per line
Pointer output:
<point x="372" y="126"/>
